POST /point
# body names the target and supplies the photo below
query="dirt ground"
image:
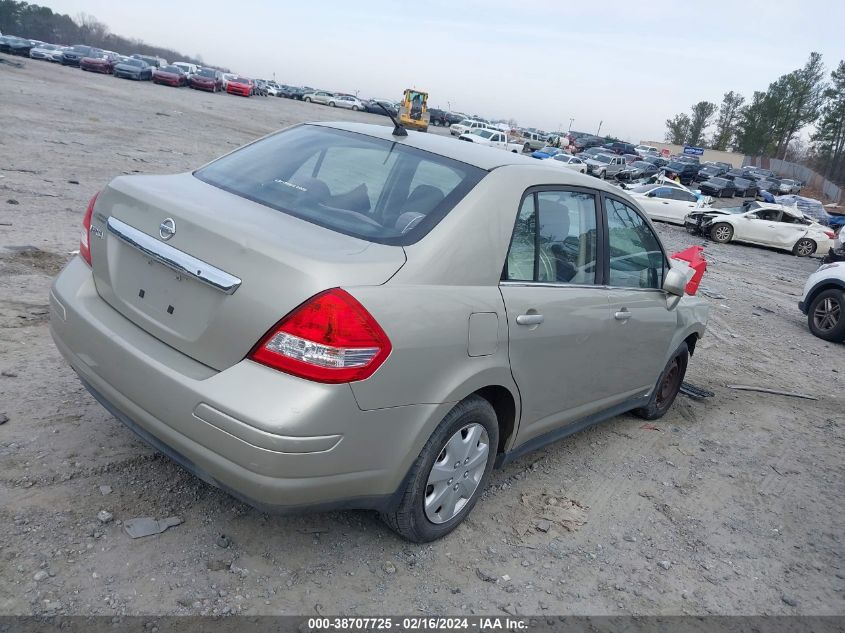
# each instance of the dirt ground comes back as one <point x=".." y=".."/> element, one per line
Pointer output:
<point x="732" y="505"/>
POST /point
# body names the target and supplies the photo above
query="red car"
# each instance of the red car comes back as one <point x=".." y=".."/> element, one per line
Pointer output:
<point x="100" y="62"/>
<point x="206" y="79"/>
<point x="239" y="86"/>
<point x="170" y="76"/>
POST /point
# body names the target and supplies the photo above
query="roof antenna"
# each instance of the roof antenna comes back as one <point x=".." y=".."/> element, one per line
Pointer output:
<point x="398" y="130"/>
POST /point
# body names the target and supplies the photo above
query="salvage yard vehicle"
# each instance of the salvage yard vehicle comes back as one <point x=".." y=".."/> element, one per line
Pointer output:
<point x="100" y="62"/>
<point x="637" y="169"/>
<point x="569" y="162"/>
<point x="239" y="86"/>
<point x="318" y="96"/>
<point x="709" y="171"/>
<point x="152" y="60"/>
<point x="646" y="150"/>
<point x="133" y="69"/>
<point x="72" y="55"/>
<point x="467" y="125"/>
<point x="491" y="138"/>
<point x="546" y="152"/>
<point x="823" y="301"/>
<point x="684" y="170"/>
<point x="744" y="187"/>
<point x="718" y="188"/>
<point x="44" y="51"/>
<point x="375" y="106"/>
<point x="605" y="165"/>
<point x="187" y="68"/>
<point x="170" y="76"/>
<point x="532" y="140"/>
<point x="347" y="102"/>
<point x="207" y="79"/>
<point x="340" y="315"/>
<point x="668" y="204"/>
<point x="765" y="224"/>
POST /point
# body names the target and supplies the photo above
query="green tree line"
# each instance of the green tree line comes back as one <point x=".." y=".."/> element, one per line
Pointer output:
<point x="771" y="122"/>
<point x="41" y="23"/>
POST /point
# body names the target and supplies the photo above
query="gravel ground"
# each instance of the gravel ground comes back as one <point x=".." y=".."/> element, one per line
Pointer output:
<point x="732" y="505"/>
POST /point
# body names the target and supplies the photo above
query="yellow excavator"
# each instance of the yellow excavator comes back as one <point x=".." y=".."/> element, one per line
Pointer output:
<point x="413" y="111"/>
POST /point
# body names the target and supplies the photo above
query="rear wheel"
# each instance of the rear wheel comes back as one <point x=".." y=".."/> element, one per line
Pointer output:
<point x="722" y="233"/>
<point x="307" y="100"/>
<point x="355" y="108"/>
<point x="331" y="104"/>
<point x="826" y="316"/>
<point x="668" y="386"/>
<point x="450" y="474"/>
<point x="804" y="247"/>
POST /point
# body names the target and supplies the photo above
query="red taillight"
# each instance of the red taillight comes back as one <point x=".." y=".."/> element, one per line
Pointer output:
<point x="830" y="234"/>
<point x="84" y="244"/>
<point x="330" y="338"/>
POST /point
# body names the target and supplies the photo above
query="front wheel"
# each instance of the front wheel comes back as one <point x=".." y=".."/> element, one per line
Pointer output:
<point x="307" y="100"/>
<point x="355" y="108"/>
<point x="450" y="473"/>
<point x="331" y="104"/>
<point x="722" y="233"/>
<point x="804" y="247"/>
<point x="826" y="316"/>
<point x="668" y="386"/>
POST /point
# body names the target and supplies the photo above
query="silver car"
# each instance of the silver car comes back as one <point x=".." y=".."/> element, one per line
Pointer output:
<point x="318" y="96"/>
<point x="337" y="317"/>
<point x="346" y="101"/>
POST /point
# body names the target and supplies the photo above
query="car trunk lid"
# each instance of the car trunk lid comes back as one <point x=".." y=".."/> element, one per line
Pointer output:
<point x="230" y="270"/>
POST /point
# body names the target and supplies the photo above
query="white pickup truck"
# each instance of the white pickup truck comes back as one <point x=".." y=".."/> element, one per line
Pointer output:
<point x="491" y="138"/>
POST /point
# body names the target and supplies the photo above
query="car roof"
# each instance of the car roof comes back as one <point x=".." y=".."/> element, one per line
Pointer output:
<point x="481" y="156"/>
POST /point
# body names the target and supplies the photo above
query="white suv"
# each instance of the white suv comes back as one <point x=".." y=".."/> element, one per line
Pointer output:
<point x="823" y="302"/>
<point x="467" y="125"/>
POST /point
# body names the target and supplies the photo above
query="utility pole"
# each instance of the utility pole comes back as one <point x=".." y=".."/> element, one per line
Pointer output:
<point x="571" y="121"/>
<point x="599" y="130"/>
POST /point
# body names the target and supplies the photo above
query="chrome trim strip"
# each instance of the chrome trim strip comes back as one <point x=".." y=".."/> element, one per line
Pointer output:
<point x="547" y="284"/>
<point x="173" y="258"/>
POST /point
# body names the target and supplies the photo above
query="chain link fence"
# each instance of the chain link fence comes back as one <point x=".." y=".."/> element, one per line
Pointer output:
<point x="785" y="169"/>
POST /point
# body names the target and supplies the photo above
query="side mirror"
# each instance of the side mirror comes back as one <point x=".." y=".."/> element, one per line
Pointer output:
<point x="675" y="284"/>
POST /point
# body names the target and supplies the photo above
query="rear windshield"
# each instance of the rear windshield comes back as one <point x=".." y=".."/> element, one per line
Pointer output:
<point x="374" y="189"/>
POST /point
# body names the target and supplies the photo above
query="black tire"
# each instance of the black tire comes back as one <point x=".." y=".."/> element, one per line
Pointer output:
<point x="307" y="100"/>
<point x="668" y="386"/>
<point x="721" y="232"/>
<point x="833" y="303"/>
<point x="804" y="247"/>
<point x="355" y="108"/>
<point x="331" y="104"/>
<point x="409" y="519"/>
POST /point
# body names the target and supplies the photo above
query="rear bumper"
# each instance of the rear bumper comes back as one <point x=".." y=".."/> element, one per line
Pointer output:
<point x="275" y="441"/>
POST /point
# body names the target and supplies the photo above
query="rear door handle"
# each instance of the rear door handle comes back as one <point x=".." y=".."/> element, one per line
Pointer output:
<point x="529" y="319"/>
<point x="623" y="315"/>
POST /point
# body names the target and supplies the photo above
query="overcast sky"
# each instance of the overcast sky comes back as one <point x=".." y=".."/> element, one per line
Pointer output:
<point x="629" y="64"/>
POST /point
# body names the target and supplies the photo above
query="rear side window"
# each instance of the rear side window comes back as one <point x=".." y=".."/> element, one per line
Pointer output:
<point x="374" y="189"/>
<point x="554" y="240"/>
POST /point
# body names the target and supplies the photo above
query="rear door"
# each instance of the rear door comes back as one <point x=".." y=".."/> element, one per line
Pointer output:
<point x="558" y="313"/>
<point x="642" y="327"/>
